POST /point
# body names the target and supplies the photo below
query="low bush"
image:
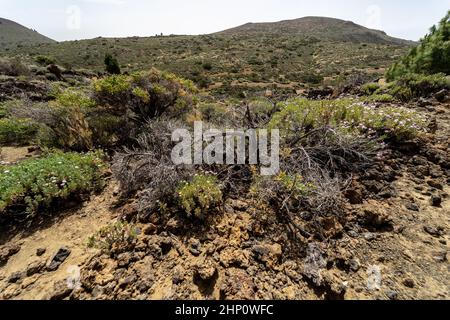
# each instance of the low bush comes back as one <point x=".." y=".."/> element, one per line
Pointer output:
<point x="383" y="98"/>
<point x="111" y="64"/>
<point x="414" y="85"/>
<point x="370" y="88"/>
<point x="45" y="60"/>
<point x="17" y="131"/>
<point x="301" y="115"/>
<point x="35" y="184"/>
<point x="114" y="239"/>
<point x="200" y="196"/>
<point x="148" y="169"/>
<point x="146" y="95"/>
<point x="215" y="113"/>
<point x="13" y="67"/>
<point x="68" y="121"/>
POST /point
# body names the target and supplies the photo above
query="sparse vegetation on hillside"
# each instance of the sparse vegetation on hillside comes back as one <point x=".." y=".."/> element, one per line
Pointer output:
<point x="361" y="162"/>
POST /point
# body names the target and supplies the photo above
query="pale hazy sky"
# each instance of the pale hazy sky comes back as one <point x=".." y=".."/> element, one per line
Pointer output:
<point x="81" y="19"/>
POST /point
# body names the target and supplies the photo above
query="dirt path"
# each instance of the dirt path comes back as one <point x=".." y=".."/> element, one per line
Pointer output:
<point x="70" y="231"/>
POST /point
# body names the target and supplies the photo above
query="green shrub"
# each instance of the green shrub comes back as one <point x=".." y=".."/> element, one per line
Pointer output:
<point x="146" y="95"/>
<point x="431" y="56"/>
<point x="111" y="64"/>
<point x="74" y="98"/>
<point x="415" y="85"/>
<point x="113" y="85"/>
<point x="17" y="131"/>
<point x="383" y="98"/>
<point x="108" y="130"/>
<point x="45" y="60"/>
<point x="114" y="239"/>
<point x="198" y="197"/>
<point x="68" y="121"/>
<point x="370" y="88"/>
<point x="35" y="184"/>
<point x="215" y="113"/>
<point x="207" y="66"/>
<point x="302" y="115"/>
<point x="293" y="184"/>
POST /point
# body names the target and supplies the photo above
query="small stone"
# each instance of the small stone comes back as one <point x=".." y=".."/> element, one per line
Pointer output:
<point x="40" y="252"/>
<point x="353" y="233"/>
<point x="7" y="251"/>
<point x="206" y="270"/>
<point x="150" y="229"/>
<point x="412" y="207"/>
<point x="127" y="281"/>
<point x="166" y="245"/>
<point x="409" y="283"/>
<point x="433" y="231"/>
<point x="392" y="295"/>
<point x="35" y="267"/>
<point x="435" y="184"/>
<point x="436" y="201"/>
<point x="268" y="254"/>
<point x="354" y="265"/>
<point x="368" y="236"/>
<point x="442" y="95"/>
<point x="440" y="256"/>
<point x="61" y="290"/>
<point x="195" y="247"/>
<point x="16" y="277"/>
<point x="10" y="292"/>
<point x="124" y="260"/>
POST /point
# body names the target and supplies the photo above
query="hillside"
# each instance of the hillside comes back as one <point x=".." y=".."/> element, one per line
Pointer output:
<point x="99" y="201"/>
<point x="320" y="27"/>
<point x="12" y="33"/>
<point x="304" y="52"/>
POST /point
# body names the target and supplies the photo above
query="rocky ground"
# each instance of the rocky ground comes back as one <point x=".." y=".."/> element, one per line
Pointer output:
<point x="394" y="245"/>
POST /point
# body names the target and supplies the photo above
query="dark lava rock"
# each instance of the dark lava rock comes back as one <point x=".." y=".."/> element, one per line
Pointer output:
<point x="435" y="184"/>
<point x="434" y="231"/>
<point x="354" y="265"/>
<point x="35" y="267"/>
<point x="436" y="201"/>
<point x="409" y="283"/>
<point x="58" y="259"/>
<point x="7" y="251"/>
<point x="392" y="295"/>
<point x="40" y="252"/>
<point x="412" y="206"/>
<point x="442" y="96"/>
<point x="195" y="247"/>
<point x="15" y="277"/>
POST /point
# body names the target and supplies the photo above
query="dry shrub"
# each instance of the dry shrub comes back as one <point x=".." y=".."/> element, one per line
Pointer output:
<point x="148" y="167"/>
<point x="315" y="169"/>
<point x="13" y="67"/>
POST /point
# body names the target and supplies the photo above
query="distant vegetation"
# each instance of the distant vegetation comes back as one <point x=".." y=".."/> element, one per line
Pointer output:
<point x="237" y="61"/>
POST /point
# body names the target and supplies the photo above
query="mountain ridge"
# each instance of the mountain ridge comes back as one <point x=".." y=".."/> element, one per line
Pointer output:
<point x="325" y="28"/>
<point x="13" y="33"/>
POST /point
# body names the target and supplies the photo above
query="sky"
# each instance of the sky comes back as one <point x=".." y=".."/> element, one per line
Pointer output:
<point x="83" y="19"/>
